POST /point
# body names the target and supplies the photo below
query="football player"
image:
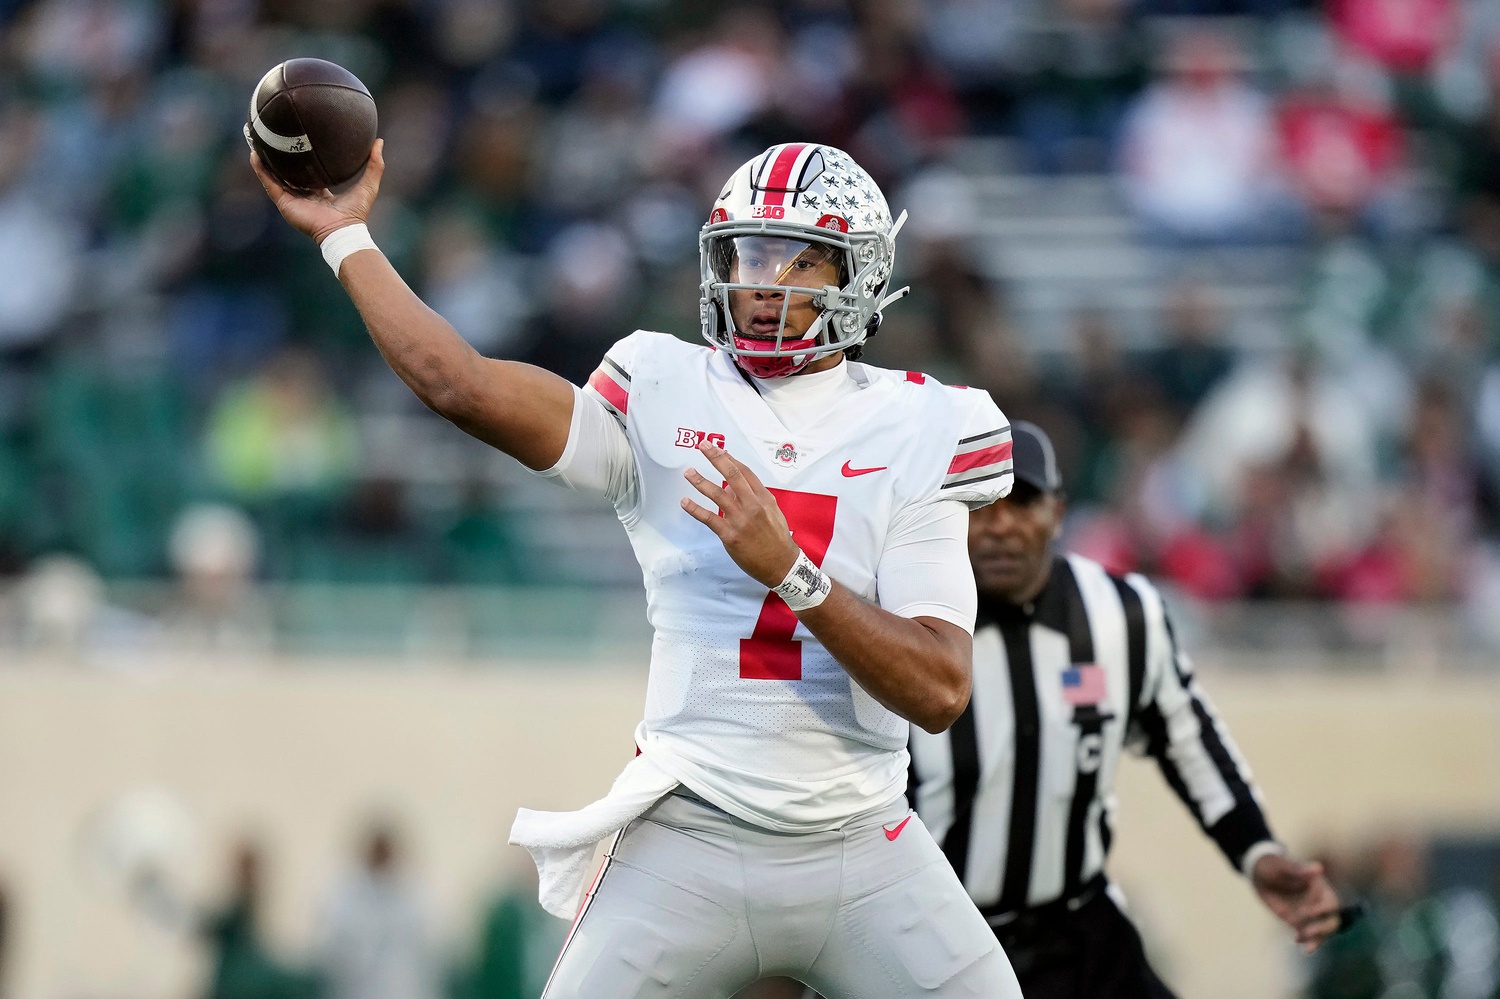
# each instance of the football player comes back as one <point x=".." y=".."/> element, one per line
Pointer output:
<point x="800" y="520"/>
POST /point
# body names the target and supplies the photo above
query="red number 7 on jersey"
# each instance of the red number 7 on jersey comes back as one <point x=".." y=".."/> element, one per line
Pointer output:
<point x="770" y="653"/>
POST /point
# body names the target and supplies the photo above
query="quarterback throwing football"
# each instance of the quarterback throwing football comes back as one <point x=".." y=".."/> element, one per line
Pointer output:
<point x="801" y="521"/>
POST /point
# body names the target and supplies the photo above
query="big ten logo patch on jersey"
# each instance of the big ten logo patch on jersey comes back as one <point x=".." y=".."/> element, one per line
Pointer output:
<point x="696" y="438"/>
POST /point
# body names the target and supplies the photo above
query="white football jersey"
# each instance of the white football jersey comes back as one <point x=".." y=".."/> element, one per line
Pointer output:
<point x="743" y="704"/>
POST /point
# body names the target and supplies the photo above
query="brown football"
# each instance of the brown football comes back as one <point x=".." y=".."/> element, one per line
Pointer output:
<point x="313" y="124"/>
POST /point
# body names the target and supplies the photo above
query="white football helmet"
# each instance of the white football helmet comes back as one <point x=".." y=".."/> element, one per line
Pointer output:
<point x="807" y="201"/>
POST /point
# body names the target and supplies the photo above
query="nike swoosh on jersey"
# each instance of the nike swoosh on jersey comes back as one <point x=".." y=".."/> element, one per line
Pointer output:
<point x="891" y="834"/>
<point x="850" y="472"/>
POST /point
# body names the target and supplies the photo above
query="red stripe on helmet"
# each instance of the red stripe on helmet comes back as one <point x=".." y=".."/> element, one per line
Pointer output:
<point x="781" y="173"/>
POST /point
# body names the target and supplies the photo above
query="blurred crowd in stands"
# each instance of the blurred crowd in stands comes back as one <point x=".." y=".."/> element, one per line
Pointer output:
<point x="166" y="341"/>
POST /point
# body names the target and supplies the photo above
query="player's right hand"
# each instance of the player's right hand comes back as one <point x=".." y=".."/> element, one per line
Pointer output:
<point x="321" y="212"/>
<point x="749" y="521"/>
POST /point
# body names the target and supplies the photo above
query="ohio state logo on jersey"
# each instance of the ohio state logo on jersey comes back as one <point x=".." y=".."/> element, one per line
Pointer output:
<point x="695" y="438"/>
<point x="787" y="454"/>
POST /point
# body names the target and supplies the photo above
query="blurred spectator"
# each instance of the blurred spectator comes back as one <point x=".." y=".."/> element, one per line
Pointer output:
<point x="1406" y="36"/>
<point x="1080" y="77"/>
<point x="214" y="550"/>
<point x="1288" y="536"/>
<point x="1422" y="549"/>
<point x="495" y="157"/>
<point x="1196" y="356"/>
<point x="241" y="965"/>
<point x="1199" y="148"/>
<point x="65" y="614"/>
<point x="1342" y="146"/>
<point x="1303" y="426"/>
<point x="283" y="433"/>
<point x="416" y="120"/>
<point x="376" y="939"/>
<point x="1441" y="487"/>
<point x="39" y="247"/>
<point x="1090" y="387"/>
<point x="981" y="45"/>
<point x="557" y="40"/>
<point x="473" y="284"/>
<point x="974" y="339"/>
<point x="479" y="546"/>
<point x="907" y="109"/>
<point x="1399" y="950"/>
<point x="590" y="281"/>
<point x="80" y="41"/>
<point x="60" y="596"/>
<point x="593" y="145"/>
<point x="718" y="86"/>
<point x="518" y="943"/>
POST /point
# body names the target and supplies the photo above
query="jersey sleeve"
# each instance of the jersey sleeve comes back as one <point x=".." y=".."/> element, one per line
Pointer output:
<point x="610" y="382"/>
<point x="598" y="457"/>
<point x="979" y="471"/>
<point x="924" y="570"/>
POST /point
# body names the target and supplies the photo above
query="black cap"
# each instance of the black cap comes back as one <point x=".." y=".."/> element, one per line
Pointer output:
<point x="1032" y="457"/>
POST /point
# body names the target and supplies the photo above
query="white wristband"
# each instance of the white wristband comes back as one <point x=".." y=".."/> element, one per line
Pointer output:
<point x="342" y="242"/>
<point x="1264" y="848"/>
<point x="805" y="586"/>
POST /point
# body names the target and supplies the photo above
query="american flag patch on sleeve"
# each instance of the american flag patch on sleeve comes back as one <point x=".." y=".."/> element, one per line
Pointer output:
<point x="610" y="384"/>
<point x="978" y="458"/>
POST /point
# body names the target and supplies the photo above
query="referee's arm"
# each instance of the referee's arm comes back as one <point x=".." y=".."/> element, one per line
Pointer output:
<point x="1175" y="723"/>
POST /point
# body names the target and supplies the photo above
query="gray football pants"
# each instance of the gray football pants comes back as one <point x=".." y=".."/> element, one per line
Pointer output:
<point x="692" y="903"/>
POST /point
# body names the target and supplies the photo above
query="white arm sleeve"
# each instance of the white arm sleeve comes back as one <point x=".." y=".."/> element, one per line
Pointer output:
<point x="597" y="458"/>
<point x="924" y="570"/>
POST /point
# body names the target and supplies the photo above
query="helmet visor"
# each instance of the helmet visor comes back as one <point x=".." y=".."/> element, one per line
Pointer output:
<point x="778" y="260"/>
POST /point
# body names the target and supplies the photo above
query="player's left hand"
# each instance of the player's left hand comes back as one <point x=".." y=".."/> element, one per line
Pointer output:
<point x="749" y="523"/>
<point x="1300" y="896"/>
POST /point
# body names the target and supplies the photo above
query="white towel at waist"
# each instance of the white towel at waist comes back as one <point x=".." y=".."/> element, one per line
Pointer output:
<point x="562" y="843"/>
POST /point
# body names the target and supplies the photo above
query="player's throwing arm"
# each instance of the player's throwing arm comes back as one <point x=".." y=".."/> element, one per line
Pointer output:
<point x="518" y="408"/>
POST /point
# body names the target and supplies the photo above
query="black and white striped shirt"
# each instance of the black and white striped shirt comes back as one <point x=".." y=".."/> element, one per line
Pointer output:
<point x="1019" y="791"/>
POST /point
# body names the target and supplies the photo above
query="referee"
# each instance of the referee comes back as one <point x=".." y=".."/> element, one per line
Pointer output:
<point x="1071" y="666"/>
